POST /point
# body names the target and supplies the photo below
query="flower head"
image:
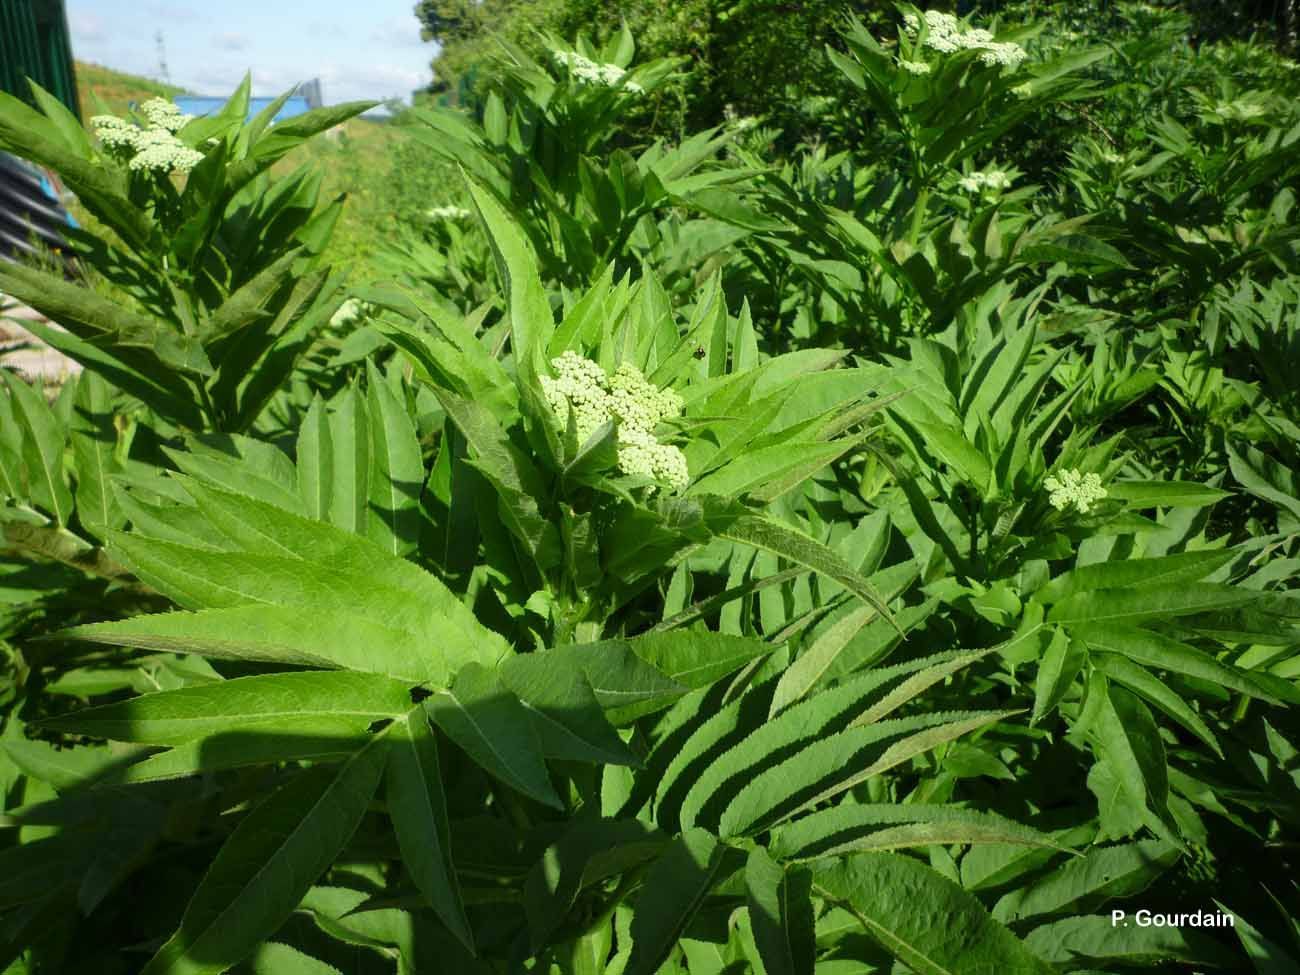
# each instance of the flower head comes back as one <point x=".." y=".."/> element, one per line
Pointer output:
<point x="115" y="134"/>
<point x="591" y="72"/>
<point x="447" y="213"/>
<point x="162" y="114"/>
<point x="914" y="67"/>
<point x="1073" y="488"/>
<point x="153" y="149"/>
<point x="990" y="179"/>
<point x="946" y="34"/>
<point x="581" y="389"/>
<point x="160" y="151"/>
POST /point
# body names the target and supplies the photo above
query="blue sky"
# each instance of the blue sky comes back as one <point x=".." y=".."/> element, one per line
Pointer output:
<point x="358" y="48"/>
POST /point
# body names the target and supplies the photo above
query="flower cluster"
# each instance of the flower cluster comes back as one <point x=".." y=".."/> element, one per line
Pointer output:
<point x="1241" y="110"/>
<point x="1073" y="488"/>
<point x="580" y="386"/>
<point x="945" y="33"/>
<point x="115" y="134"/>
<point x="978" y="182"/>
<point x="914" y="67"/>
<point x="738" y="122"/>
<point x="162" y="114"/>
<point x="590" y="72"/>
<point x="155" y="148"/>
<point x="447" y="213"/>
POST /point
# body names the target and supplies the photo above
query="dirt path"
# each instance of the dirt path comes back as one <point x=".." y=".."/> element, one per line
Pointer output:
<point x="25" y="353"/>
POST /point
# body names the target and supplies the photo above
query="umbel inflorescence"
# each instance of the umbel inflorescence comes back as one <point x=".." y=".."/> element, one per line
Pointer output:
<point x="1073" y="488"/>
<point x="154" y="147"/>
<point x="992" y="180"/>
<point x="590" y="72"/>
<point x="581" y="386"/>
<point x="945" y="33"/>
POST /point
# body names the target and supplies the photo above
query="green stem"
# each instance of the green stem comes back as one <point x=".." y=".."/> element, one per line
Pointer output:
<point x="918" y="215"/>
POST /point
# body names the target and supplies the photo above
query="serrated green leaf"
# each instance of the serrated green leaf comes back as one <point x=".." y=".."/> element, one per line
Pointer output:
<point x="1130" y="742"/>
<point x="590" y="851"/>
<point x="418" y="809"/>
<point x="397" y="477"/>
<point x="513" y="476"/>
<point x="1077" y="249"/>
<point x="242" y="466"/>
<point x="1172" y="494"/>
<point x="1161" y="652"/>
<point x="266" y="866"/>
<point x="1100" y="874"/>
<point x="42" y="448"/>
<point x="835" y="764"/>
<point x="349" y="426"/>
<point x="1265" y="477"/>
<point x="850" y="827"/>
<point x="1166" y="570"/>
<point x="94" y="444"/>
<point x="1153" y="602"/>
<point x="565" y="712"/>
<point x="779" y="901"/>
<point x="191" y="713"/>
<point x="1061" y="664"/>
<point x="923" y="919"/>
<point x="770" y="536"/>
<point x="273" y="958"/>
<point x="315" y="461"/>
<point x="307" y="636"/>
<point x="314" y="739"/>
<point x="480" y="715"/>
<point x="1142" y="682"/>
<point x="812" y="664"/>
<point x="1094" y="939"/>
<point x="673" y="890"/>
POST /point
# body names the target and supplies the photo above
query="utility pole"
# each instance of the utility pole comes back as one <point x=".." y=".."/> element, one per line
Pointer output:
<point x="163" y="74"/>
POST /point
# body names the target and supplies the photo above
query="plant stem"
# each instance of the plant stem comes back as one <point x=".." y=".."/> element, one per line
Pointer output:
<point x="918" y="215"/>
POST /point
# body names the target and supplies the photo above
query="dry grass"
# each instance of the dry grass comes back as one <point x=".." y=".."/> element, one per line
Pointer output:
<point x="115" y="90"/>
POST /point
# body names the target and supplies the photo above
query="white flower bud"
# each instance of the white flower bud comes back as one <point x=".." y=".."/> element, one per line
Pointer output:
<point x="1074" y="488"/>
<point x="163" y="114"/>
<point x="582" y="387"/>
<point x="946" y="34"/>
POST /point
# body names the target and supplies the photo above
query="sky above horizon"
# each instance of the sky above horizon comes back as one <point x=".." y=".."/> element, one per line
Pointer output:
<point x="358" y="50"/>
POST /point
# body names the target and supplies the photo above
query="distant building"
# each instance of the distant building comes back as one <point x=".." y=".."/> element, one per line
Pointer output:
<point x="310" y="90"/>
<point x="306" y="97"/>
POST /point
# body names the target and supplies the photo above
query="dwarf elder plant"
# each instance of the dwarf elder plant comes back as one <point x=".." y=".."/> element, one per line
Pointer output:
<point x="553" y="145"/>
<point x="207" y="281"/>
<point x="582" y="616"/>
<point x="351" y="657"/>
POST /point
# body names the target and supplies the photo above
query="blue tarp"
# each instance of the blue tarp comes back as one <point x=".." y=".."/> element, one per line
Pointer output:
<point x="205" y="105"/>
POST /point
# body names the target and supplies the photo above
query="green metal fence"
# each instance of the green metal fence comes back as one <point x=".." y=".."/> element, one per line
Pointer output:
<point x="34" y="44"/>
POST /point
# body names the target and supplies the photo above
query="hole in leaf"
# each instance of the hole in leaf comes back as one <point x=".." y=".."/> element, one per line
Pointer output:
<point x="419" y="694"/>
<point x="380" y="725"/>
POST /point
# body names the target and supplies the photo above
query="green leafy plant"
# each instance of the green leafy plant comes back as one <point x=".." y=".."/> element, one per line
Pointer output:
<point x="862" y="548"/>
<point x="198" y="296"/>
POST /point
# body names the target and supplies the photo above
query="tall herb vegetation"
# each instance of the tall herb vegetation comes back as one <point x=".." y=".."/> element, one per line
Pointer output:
<point x="808" y="552"/>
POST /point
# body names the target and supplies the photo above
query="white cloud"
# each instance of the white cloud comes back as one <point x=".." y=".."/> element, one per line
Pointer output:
<point x="86" y="27"/>
<point x="174" y="13"/>
<point x="398" y="32"/>
<point x="230" y="41"/>
<point x="371" y="50"/>
<point x="344" y="83"/>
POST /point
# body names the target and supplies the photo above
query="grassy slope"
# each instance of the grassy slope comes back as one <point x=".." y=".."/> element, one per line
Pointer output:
<point x="358" y="162"/>
<point x="115" y="89"/>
